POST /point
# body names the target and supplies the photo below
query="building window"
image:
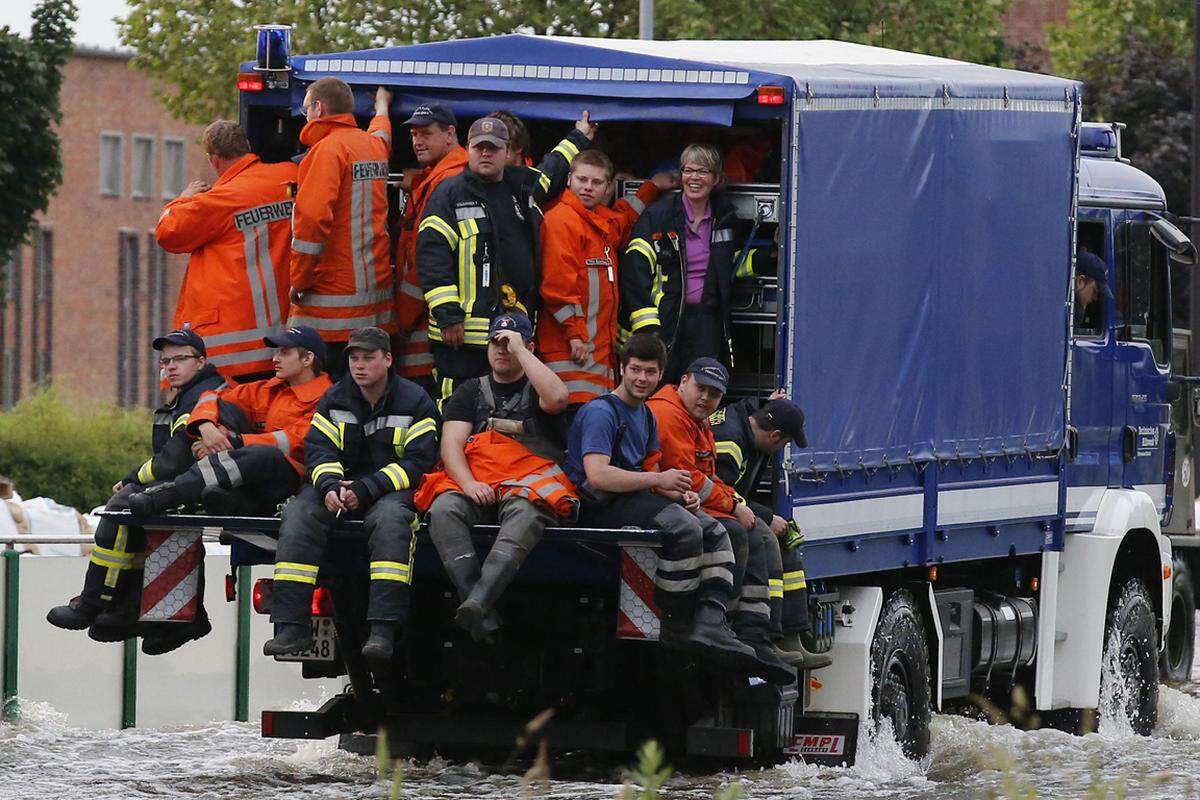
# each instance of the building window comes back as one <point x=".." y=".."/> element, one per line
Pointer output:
<point x="129" y="349"/>
<point x="172" y="170"/>
<point x="41" y="337"/>
<point x="143" y="166"/>
<point x="110" y="164"/>
<point x="10" y="329"/>
<point x="156" y="315"/>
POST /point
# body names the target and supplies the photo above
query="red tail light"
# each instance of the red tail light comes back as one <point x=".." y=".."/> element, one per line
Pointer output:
<point x="322" y="603"/>
<point x="262" y="595"/>
<point x="268" y="723"/>
<point x="249" y="82"/>
<point x="771" y="96"/>
<point x="745" y="744"/>
<point x="230" y="588"/>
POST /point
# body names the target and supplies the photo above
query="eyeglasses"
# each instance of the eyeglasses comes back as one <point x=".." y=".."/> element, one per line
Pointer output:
<point x="699" y="172"/>
<point x="167" y="361"/>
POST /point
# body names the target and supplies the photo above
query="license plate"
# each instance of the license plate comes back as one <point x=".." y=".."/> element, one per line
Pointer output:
<point x="324" y="641"/>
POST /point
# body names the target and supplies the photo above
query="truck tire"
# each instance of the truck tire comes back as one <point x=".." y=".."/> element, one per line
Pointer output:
<point x="1131" y="656"/>
<point x="900" y="692"/>
<point x="1176" y="664"/>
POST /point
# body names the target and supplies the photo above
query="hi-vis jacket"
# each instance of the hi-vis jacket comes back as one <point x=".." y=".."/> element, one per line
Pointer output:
<point x="168" y="437"/>
<point x="653" y="280"/>
<point x="341" y="261"/>
<point x="414" y="360"/>
<point x="280" y="414"/>
<point x="457" y="247"/>
<point x="739" y="463"/>
<point x="580" y="294"/>
<point x="381" y="449"/>
<point x="687" y="444"/>
<point x="235" y="290"/>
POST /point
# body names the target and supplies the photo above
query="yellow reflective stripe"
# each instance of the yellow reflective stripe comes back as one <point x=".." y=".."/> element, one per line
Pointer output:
<point x="643" y="247"/>
<point x="391" y="571"/>
<point x="794" y="580"/>
<point x="733" y="450"/>
<point x="775" y="587"/>
<point x="398" y="437"/>
<point x="441" y="295"/>
<point x="396" y="475"/>
<point x="543" y="178"/>
<point x="746" y="270"/>
<point x="441" y="226"/>
<point x="328" y="468"/>
<point x="180" y="422"/>
<point x="299" y="573"/>
<point x="332" y="431"/>
<point x="643" y="317"/>
<point x="424" y="426"/>
<point x="567" y="149"/>
<point x="145" y="473"/>
<point x="102" y="556"/>
<point x="466" y="263"/>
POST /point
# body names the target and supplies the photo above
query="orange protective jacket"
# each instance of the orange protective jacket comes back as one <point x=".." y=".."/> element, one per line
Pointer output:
<point x="512" y="470"/>
<point x="414" y="359"/>
<point x="235" y="290"/>
<point x="341" y="262"/>
<point x="687" y="444"/>
<point x="580" y="293"/>
<point x="280" y="414"/>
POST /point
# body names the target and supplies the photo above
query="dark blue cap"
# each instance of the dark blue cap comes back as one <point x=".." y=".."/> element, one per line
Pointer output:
<point x="709" y="372"/>
<point x="430" y="113"/>
<point x="787" y="418"/>
<point x="299" y="336"/>
<point x="1090" y="265"/>
<point x="512" y="322"/>
<point x="185" y="337"/>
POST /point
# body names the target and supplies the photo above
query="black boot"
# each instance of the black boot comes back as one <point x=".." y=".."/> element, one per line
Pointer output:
<point x="119" y="621"/>
<point x="154" y="501"/>
<point x="771" y="668"/>
<point x="74" y="616"/>
<point x="381" y="643"/>
<point x="222" y="502"/>
<point x="464" y="574"/>
<point x="175" y="636"/>
<point x="498" y="571"/>
<point x="711" y="637"/>
<point x="290" y="638"/>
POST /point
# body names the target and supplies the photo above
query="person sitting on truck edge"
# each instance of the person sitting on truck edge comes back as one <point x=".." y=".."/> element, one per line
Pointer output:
<point x="681" y="414"/>
<point x="581" y="240"/>
<point x="747" y="434"/>
<point x="677" y="274"/>
<point x="112" y="585"/>
<point x="238" y="231"/>
<point x="1091" y="288"/>
<point x="499" y="462"/>
<point x="373" y="436"/>
<point x="434" y="132"/>
<point x="479" y="241"/>
<point x="613" y="457"/>
<point x="341" y="254"/>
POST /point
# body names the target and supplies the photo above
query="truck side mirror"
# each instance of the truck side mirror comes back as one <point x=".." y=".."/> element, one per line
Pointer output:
<point x="1170" y="237"/>
<point x="1173" y="391"/>
<point x="1072" y="443"/>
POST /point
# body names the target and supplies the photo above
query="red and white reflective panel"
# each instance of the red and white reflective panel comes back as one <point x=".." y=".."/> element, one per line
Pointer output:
<point x="637" y="615"/>
<point x="172" y="579"/>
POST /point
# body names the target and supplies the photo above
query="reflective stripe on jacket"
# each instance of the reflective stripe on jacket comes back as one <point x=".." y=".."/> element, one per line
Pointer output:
<point x="341" y="263"/>
<point x="235" y="290"/>
<point x="688" y="445"/>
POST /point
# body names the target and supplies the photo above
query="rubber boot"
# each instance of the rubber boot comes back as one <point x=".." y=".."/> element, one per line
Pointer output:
<point x="381" y="643"/>
<point x="119" y="621"/>
<point x="74" y="616"/>
<point x="793" y="643"/>
<point x="290" y="638"/>
<point x="154" y="501"/>
<point x="498" y="571"/>
<point x="771" y="668"/>
<point x="712" y="638"/>
<point x="674" y="630"/>
<point x="464" y="574"/>
<point x="175" y="636"/>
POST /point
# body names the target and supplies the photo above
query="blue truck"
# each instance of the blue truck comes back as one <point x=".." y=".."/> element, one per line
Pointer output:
<point x="988" y="466"/>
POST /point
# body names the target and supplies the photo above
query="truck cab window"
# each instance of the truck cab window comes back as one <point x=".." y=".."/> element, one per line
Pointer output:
<point x="1142" y="290"/>
<point x="1089" y="313"/>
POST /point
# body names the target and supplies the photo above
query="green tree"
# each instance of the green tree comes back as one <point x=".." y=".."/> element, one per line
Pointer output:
<point x="192" y="47"/>
<point x="30" y="157"/>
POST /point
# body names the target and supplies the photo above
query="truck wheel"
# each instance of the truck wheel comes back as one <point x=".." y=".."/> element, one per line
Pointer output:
<point x="1129" y="671"/>
<point x="1176" y="664"/>
<point x="900" y="675"/>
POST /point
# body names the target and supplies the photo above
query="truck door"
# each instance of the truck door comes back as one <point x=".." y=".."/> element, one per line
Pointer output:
<point x="1143" y="328"/>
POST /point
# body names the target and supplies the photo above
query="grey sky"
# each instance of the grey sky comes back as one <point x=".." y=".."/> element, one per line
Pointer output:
<point x="94" y="26"/>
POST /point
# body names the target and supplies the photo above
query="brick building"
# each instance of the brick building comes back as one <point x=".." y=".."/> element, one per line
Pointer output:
<point x="1025" y="24"/>
<point x="81" y="303"/>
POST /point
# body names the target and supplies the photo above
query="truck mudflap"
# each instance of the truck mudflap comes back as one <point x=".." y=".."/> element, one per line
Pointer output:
<point x="830" y="740"/>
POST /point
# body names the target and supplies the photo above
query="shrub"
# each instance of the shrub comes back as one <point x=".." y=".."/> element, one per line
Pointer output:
<point x="68" y="451"/>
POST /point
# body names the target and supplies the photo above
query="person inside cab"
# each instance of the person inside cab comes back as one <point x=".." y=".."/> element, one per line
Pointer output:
<point x="109" y="604"/>
<point x="479" y="241"/>
<point x="686" y="440"/>
<point x="677" y="274"/>
<point x="373" y="436"/>
<point x="613" y="456"/>
<point x="500" y="462"/>
<point x="747" y="435"/>
<point x="1091" y="291"/>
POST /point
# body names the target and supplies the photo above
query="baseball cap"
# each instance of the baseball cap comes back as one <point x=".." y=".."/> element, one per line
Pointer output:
<point x="428" y="114"/>
<point x="370" y="338"/>
<point x="299" y="336"/>
<point x="1091" y="266"/>
<point x="787" y="418"/>
<point x="184" y="336"/>
<point x="709" y="372"/>
<point x="512" y="322"/>
<point x="488" y="129"/>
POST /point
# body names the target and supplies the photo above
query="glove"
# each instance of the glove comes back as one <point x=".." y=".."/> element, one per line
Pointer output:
<point x="794" y="537"/>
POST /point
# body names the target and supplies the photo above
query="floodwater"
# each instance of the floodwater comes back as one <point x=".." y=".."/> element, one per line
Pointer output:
<point x="42" y="757"/>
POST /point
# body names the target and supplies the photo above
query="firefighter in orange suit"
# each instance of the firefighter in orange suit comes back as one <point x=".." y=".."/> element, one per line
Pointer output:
<point x="499" y="461"/>
<point x="581" y="239"/>
<point x="434" y="131"/>
<point x="235" y="290"/>
<point x="341" y="263"/>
